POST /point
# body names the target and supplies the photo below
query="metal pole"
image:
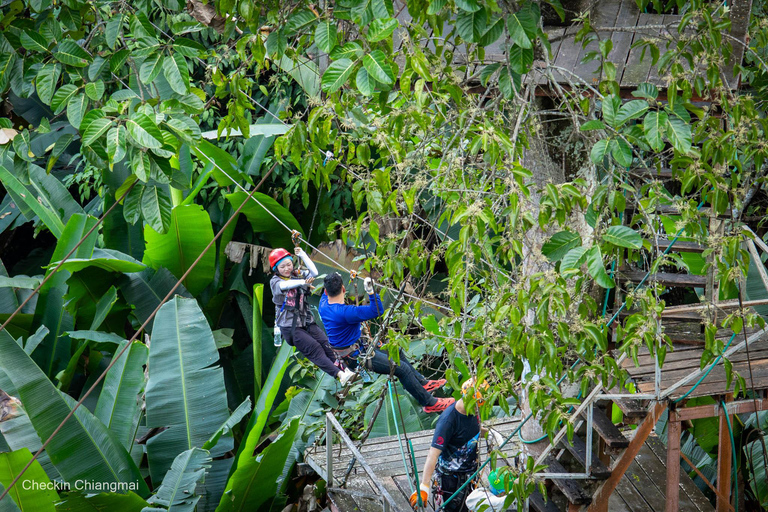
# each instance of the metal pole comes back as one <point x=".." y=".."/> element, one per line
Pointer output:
<point x="328" y="452"/>
<point x="588" y="461"/>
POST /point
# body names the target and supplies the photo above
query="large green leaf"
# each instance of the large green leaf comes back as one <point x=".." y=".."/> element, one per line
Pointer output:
<point x="596" y="268"/>
<point x="177" y="492"/>
<point x="176" y="73"/>
<point x="45" y="197"/>
<point x="472" y="25"/>
<point x="185" y="391"/>
<point x="559" y="245"/>
<point x="156" y="209"/>
<point x="46" y="81"/>
<point x="150" y="68"/>
<point x="254" y="151"/>
<point x="107" y="259"/>
<point x="237" y="415"/>
<point x="519" y="27"/>
<point x="144" y="291"/>
<point x="325" y="35"/>
<point x="623" y="236"/>
<point x="653" y="127"/>
<point x="29" y="498"/>
<point x="365" y="84"/>
<point x="189" y="234"/>
<point x="264" y="404"/>
<point x="377" y="66"/>
<point x="84" y="448"/>
<point x="631" y="110"/>
<point x="70" y="53"/>
<point x="262" y="222"/>
<point x="104" y="502"/>
<point x="679" y="133"/>
<point x="225" y="169"/>
<point x="144" y="131"/>
<point x="758" y="473"/>
<point x="54" y="352"/>
<point x="118" y="407"/>
<point x="255" y="480"/>
<point x="77" y="107"/>
<point x="337" y="74"/>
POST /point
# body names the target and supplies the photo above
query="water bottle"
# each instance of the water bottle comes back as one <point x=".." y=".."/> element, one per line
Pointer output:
<point x="278" y="336"/>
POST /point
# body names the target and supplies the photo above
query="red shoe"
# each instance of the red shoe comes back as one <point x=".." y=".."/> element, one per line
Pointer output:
<point x="432" y="385"/>
<point x="441" y="405"/>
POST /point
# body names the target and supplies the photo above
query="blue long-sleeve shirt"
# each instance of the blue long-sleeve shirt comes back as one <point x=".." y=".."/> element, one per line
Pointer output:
<point x="342" y="322"/>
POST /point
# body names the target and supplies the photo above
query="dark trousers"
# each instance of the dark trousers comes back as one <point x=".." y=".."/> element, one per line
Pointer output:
<point x="312" y="342"/>
<point x="449" y="482"/>
<point x="412" y="381"/>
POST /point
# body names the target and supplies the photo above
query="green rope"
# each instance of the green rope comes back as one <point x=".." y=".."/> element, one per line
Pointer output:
<point x="416" y="471"/>
<point x="397" y="429"/>
<point x="733" y="449"/>
<point x="704" y="375"/>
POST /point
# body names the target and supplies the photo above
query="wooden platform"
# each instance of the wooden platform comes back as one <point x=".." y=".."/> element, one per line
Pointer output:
<point x="686" y="359"/>
<point x="643" y="488"/>
<point x="384" y="457"/>
<point x="633" y="65"/>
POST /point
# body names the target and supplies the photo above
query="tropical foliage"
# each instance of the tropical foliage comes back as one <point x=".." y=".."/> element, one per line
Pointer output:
<point x="501" y="216"/>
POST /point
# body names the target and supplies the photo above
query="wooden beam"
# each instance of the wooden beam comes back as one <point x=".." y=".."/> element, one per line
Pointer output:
<point x="704" y="478"/>
<point x="726" y="304"/>
<point x="673" y="466"/>
<point x="600" y="499"/>
<point x="724" y="464"/>
<point x="709" y="411"/>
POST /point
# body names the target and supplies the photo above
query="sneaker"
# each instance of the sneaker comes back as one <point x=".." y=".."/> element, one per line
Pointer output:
<point x="345" y="375"/>
<point x="432" y="385"/>
<point x="441" y="405"/>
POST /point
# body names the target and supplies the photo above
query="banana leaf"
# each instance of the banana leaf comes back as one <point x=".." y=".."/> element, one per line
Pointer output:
<point x="242" y="410"/>
<point x="255" y="481"/>
<point x="119" y="234"/>
<point x="83" y="449"/>
<point x="144" y="291"/>
<point x="177" y="492"/>
<point x="755" y="289"/>
<point x="107" y="259"/>
<point x="185" y="391"/>
<point x="118" y="406"/>
<point x="9" y="505"/>
<point x="264" y="404"/>
<point x="758" y="476"/>
<point x="265" y="224"/>
<point x="44" y="197"/>
<point x="384" y="425"/>
<point x="104" y="502"/>
<point x="189" y="234"/>
<point x="35" y="498"/>
<point x="54" y="352"/>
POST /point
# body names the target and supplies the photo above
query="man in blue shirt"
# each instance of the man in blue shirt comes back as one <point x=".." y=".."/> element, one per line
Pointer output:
<point x="342" y="324"/>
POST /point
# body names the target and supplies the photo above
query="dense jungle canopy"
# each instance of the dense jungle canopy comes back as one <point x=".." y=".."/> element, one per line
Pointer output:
<point x="433" y="145"/>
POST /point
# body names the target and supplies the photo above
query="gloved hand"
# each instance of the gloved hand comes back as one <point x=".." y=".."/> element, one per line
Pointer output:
<point x="424" y="490"/>
<point x="298" y="251"/>
<point x="368" y="285"/>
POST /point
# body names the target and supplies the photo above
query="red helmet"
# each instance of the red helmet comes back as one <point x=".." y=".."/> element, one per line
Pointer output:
<point x="275" y="256"/>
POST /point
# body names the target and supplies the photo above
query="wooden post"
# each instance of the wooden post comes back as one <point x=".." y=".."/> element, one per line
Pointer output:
<point x="673" y="464"/>
<point x="724" y="459"/>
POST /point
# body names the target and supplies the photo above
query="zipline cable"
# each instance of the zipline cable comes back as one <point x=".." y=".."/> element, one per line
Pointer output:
<point x="132" y="339"/>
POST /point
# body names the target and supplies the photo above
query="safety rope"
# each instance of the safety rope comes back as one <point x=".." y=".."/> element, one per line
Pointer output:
<point x="119" y="354"/>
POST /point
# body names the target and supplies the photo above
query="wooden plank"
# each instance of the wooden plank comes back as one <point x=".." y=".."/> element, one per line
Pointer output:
<point x="633" y="500"/>
<point x="740" y="14"/>
<point x="634" y="411"/>
<point x="691" y="490"/>
<point x="571" y="489"/>
<point x="622" y="41"/>
<point x="603" y="14"/>
<point x="644" y="486"/>
<point x="679" y="367"/>
<point x="600" y="498"/>
<point x="638" y="62"/>
<point x="606" y="429"/>
<point x="680" y="246"/>
<point x="664" y="278"/>
<point x="567" y="57"/>
<point x="346" y="502"/>
<point x="537" y="503"/>
<point x="653" y="73"/>
<point x="579" y="452"/>
<point x="724" y="461"/>
<point x="401" y="490"/>
<point x="616" y="503"/>
<point x="673" y="466"/>
<point x="663" y="173"/>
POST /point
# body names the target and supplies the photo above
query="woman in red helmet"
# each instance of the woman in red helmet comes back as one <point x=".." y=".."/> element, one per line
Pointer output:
<point x="293" y="317"/>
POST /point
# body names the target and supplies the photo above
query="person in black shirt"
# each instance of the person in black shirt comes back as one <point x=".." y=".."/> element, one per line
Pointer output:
<point x="453" y="456"/>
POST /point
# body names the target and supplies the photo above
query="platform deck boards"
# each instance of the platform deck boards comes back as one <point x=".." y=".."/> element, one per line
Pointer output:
<point x="383" y="456"/>
<point x="643" y="488"/>
<point x="686" y="359"/>
<point x="633" y="64"/>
